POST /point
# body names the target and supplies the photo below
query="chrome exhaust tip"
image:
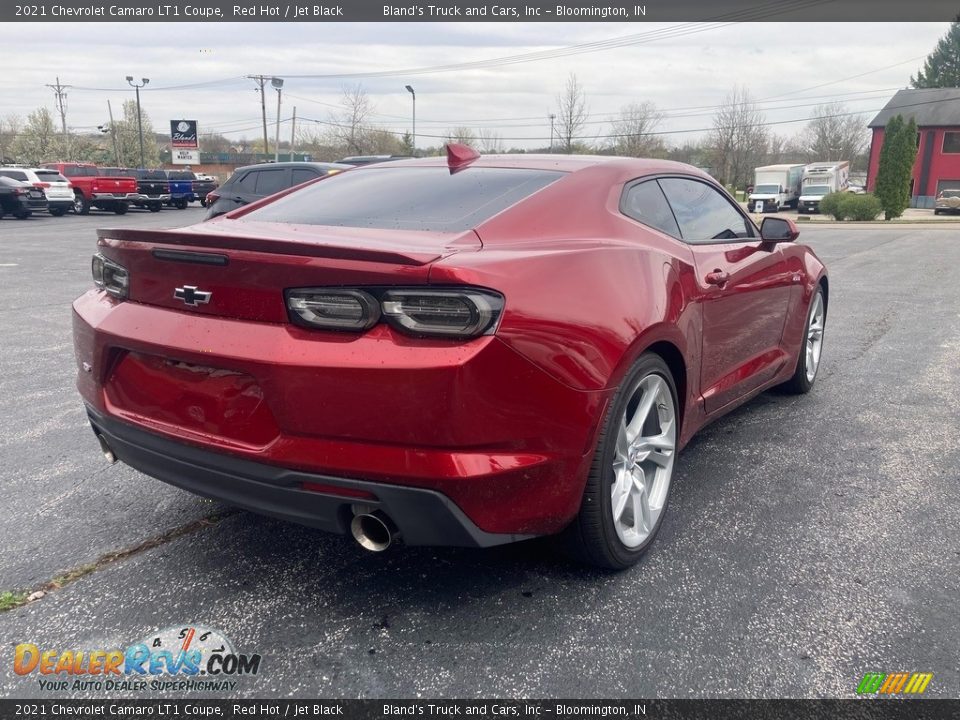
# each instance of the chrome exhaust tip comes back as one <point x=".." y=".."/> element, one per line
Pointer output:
<point x="372" y="531"/>
<point x="105" y="449"/>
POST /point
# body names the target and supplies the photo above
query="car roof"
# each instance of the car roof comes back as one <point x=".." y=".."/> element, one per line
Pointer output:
<point x="315" y="165"/>
<point x="620" y="166"/>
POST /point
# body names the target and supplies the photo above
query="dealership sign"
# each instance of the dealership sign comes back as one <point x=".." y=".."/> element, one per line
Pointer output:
<point x="185" y="157"/>
<point x="183" y="134"/>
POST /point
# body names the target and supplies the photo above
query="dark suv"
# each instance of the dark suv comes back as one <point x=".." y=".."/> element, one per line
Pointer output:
<point x="254" y="182"/>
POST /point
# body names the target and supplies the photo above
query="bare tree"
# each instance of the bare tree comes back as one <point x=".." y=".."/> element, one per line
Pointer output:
<point x="351" y="124"/>
<point x="490" y="141"/>
<point x="461" y="135"/>
<point x="738" y="138"/>
<point x="571" y="113"/>
<point x="632" y="131"/>
<point x="834" y="134"/>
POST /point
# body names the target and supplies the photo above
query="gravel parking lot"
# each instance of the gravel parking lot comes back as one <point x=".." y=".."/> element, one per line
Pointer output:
<point x="809" y="540"/>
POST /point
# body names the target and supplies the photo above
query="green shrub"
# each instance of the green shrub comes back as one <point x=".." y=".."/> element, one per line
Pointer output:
<point x="861" y="207"/>
<point x="832" y="204"/>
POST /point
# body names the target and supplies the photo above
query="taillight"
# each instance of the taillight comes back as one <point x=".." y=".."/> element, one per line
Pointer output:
<point x="110" y="276"/>
<point x="422" y="312"/>
<point x="212" y="197"/>
<point x="41" y="185"/>
<point x="457" y="313"/>
<point x="333" y="309"/>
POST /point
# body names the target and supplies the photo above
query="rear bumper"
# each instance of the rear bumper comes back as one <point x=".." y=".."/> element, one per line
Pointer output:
<point x="143" y="198"/>
<point x="476" y="423"/>
<point x="422" y="517"/>
<point x="115" y="197"/>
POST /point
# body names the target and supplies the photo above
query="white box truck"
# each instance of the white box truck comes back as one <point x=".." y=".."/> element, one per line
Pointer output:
<point x="821" y="179"/>
<point x="775" y="187"/>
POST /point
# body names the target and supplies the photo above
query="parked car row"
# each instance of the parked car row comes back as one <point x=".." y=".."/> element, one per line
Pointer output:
<point x="65" y="186"/>
<point x="82" y="186"/>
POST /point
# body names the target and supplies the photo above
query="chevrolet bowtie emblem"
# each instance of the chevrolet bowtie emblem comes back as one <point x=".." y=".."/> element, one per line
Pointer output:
<point x="191" y="295"/>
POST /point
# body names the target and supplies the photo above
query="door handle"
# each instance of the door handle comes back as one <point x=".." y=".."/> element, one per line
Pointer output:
<point x="717" y="277"/>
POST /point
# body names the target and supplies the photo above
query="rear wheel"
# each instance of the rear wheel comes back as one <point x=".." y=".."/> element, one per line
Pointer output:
<point x="58" y="211"/>
<point x="155" y="207"/>
<point x="182" y="204"/>
<point x="121" y="208"/>
<point x="22" y="214"/>
<point x="203" y="203"/>
<point x="625" y="498"/>
<point x="81" y="206"/>
<point x="808" y="361"/>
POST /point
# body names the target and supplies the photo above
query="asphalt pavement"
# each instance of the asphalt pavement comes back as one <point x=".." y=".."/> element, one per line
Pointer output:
<point x="809" y="539"/>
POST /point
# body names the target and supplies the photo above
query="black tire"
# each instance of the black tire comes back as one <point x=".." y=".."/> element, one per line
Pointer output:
<point x="182" y="204"/>
<point x="800" y="384"/>
<point x="58" y="211"/>
<point x="121" y="208"/>
<point x="22" y="214"/>
<point x="592" y="537"/>
<point x="203" y="203"/>
<point x="155" y="207"/>
<point x="81" y="206"/>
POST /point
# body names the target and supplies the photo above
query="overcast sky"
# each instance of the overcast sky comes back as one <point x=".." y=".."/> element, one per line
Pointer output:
<point x="685" y="69"/>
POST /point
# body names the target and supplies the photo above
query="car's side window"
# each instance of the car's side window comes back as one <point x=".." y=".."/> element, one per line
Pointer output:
<point x="703" y="213"/>
<point x="645" y="203"/>
<point x="248" y="182"/>
<point x="271" y="181"/>
<point x="14" y="175"/>
<point x="302" y="175"/>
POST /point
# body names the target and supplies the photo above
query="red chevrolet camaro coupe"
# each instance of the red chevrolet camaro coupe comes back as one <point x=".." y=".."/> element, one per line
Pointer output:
<point x="456" y="351"/>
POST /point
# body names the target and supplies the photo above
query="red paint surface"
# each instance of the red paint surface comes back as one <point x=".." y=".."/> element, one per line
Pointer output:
<point x="943" y="166"/>
<point x="504" y="425"/>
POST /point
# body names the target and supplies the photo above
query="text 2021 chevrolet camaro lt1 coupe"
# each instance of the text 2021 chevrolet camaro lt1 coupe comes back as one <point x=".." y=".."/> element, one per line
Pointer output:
<point x="456" y="351"/>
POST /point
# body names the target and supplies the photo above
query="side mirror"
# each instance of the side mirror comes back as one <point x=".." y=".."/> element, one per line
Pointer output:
<point x="774" y="229"/>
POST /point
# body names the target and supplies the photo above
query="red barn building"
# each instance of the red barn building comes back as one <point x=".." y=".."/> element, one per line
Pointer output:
<point x="937" y="114"/>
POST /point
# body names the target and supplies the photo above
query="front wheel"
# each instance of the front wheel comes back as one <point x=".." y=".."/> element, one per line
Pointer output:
<point x="625" y="498"/>
<point x="808" y="361"/>
<point x="81" y="206"/>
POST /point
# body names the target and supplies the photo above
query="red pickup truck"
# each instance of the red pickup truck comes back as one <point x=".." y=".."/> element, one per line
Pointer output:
<point x="90" y="189"/>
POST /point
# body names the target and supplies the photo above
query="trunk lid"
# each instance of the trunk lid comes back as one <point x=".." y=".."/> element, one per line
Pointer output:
<point x="246" y="266"/>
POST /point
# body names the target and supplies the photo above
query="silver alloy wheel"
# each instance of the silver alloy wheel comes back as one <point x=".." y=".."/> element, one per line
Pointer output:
<point x="643" y="460"/>
<point x="815" y="324"/>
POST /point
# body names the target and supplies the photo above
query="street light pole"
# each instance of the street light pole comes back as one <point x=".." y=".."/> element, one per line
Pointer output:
<point x="278" y="86"/>
<point x="143" y="81"/>
<point x="552" y="118"/>
<point x="414" y="141"/>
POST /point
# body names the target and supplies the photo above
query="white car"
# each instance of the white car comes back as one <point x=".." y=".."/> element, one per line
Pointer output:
<point x="55" y="186"/>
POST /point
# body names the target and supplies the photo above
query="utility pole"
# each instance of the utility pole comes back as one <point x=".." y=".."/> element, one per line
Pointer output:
<point x="552" y="118"/>
<point x="135" y="86"/>
<point x="113" y="134"/>
<point x="278" y="86"/>
<point x="261" y="81"/>
<point x="293" y="131"/>
<point x="60" y="92"/>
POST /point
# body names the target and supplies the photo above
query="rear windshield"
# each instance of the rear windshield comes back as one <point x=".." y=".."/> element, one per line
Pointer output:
<point x="50" y="176"/>
<point x="151" y="175"/>
<point x="407" y="198"/>
<point x="116" y="172"/>
<point x="14" y="175"/>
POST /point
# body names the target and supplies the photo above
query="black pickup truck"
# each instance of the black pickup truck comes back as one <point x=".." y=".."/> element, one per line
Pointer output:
<point x="153" y="187"/>
<point x="203" y="186"/>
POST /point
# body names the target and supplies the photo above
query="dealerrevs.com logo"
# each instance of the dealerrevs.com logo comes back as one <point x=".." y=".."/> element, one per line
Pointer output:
<point x="182" y="658"/>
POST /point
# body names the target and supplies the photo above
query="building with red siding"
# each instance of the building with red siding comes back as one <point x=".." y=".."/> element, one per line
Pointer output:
<point x="937" y="114"/>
